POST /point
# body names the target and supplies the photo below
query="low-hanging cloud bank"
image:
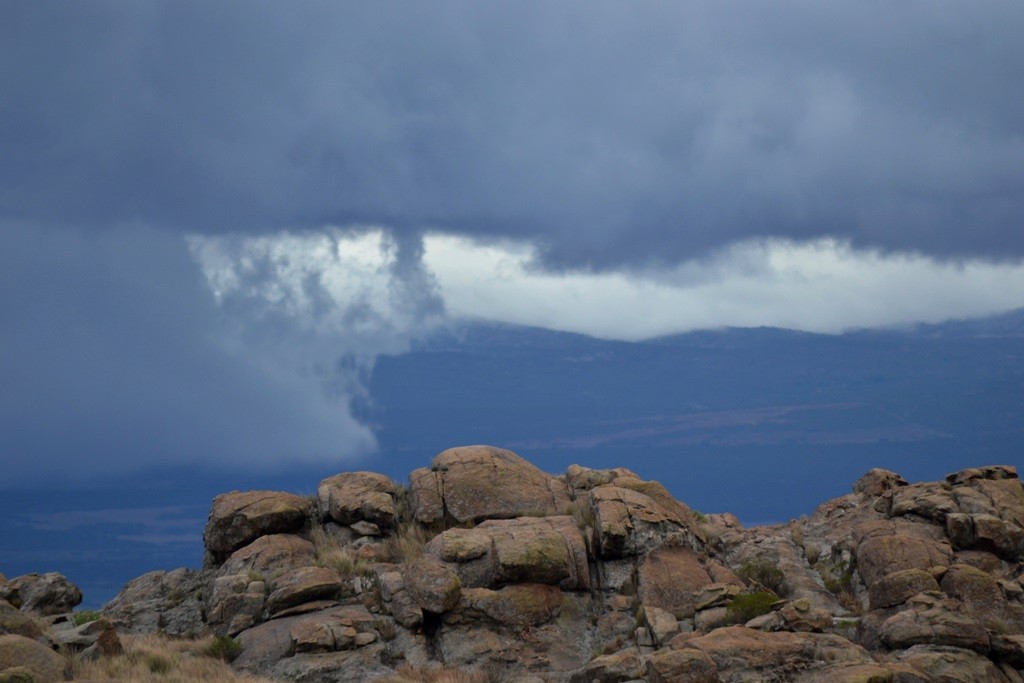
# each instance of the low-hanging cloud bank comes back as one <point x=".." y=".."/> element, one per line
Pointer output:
<point x="344" y="285"/>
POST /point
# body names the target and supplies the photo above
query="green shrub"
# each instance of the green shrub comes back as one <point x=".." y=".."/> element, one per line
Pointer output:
<point x="85" y="616"/>
<point x="223" y="647"/>
<point x="762" y="572"/>
<point x="746" y="606"/>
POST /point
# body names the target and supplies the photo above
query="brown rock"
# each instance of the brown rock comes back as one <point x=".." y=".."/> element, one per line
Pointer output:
<point x="162" y="601"/>
<point x="303" y="585"/>
<point x="662" y="625"/>
<point x="899" y="586"/>
<point x="19" y="651"/>
<point x="948" y="664"/>
<point x="931" y="621"/>
<point x="994" y="472"/>
<point x="237" y="519"/>
<point x="630" y="522"/>
<point x="878" y="556"/>
<point x="681" y="666"/>
<point x="528" y="549"/>
<point x="433" y="585"/>
<point x="474" y="483"/>
<point x="741" y="653"/>
<point x="877" y="481"/>
<point x="13" y="620"/>
<point x="270" y="554"/>
<point x="613" y="668"/>
<point x="521" y="605"/>
<point x="353" y="497"/>
<point x="856" y="673"/>
<point x="670" y="577"/>
<point x="235" y="604"/>
<point x="930" y="500"/>
<point x="1004" y="538"/>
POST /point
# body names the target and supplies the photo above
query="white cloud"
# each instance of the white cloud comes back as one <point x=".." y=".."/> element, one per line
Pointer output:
<point x="822" y="286"/>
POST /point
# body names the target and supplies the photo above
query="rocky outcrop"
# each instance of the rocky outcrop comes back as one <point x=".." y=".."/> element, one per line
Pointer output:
<point x="488" y="565"/>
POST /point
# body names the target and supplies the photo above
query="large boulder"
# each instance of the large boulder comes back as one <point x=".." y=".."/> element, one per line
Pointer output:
<point x="433" y="585"/>
<point x="899" y="586"/>
<point x="474" y="483"/>
<point x="239" y="518"/>
<point x="629" y="522"/>
<point x="353" y="497"/>
<point x="884" y="549"/>
<point x="519" y="605"/>
<point x="671" y="578"/>
<point x="45" y="664"/>
<point x="44" y="594"/>
<point x="877" y="481"/>
<point x="235" y="603"/>
<point x="547" y="550"/>
<point x="676" y="666"/>
<point x="13" y="620"/>
<point x="934" y="621"/>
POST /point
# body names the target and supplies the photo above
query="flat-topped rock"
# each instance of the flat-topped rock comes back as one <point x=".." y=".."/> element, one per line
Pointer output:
<point x="239" y="518"/>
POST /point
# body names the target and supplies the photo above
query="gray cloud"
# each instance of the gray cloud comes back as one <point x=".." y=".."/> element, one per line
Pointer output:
<point x="607" y="132"/>
<point x="115" y="359"/>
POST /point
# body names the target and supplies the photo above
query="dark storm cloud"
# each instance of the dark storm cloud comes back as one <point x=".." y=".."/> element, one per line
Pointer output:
<point x="608" y="131"/>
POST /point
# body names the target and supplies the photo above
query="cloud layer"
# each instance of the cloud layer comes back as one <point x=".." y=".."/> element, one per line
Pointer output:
<point x="603" y="133"/>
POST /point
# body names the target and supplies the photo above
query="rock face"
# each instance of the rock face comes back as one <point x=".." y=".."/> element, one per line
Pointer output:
<point x="491" y="566"/>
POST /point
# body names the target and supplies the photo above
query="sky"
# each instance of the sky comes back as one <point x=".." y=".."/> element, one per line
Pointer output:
<point x="216" y="216"/>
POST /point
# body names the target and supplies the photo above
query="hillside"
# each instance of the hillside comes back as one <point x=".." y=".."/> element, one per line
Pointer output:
<point x="486" y="568"/>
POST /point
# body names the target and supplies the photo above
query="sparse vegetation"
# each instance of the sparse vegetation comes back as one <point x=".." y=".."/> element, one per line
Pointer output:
<point x="148" y="659"/>
<point x="85" y="616"/>
<point x="582" y="513"/>
<point x="699" y="516"/>
<point x="332" y="554"/>
<point x="763" y="573"/>
<point x="812" y="552"/>
<point x="746" y="606"/>
<point x="225" y="648"/>
<point x="838" y="579"/>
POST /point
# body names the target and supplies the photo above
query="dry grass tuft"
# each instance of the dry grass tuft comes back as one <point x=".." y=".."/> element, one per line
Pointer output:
<point x="406" y="544"/>
<point x="333" y="554"/>
<point x="148" y="659"/>
<point x="434" y="674"/>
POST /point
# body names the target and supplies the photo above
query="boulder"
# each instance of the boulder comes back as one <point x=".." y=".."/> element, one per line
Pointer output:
<point x="168" y="602"/>
<point x="612" y="668"/>
<point x="433" y="585"/>
<point x="13" y="620"/>
<point x="662" y="625"/>
<point x="879" y="556"/>
<point x="547" y="550"/>
<point x="43" y="594"/>
<point x="630" y="522"/>
<point x="672" y="578"/>
<point x="474" y="483"/>
<point x="934" y="621"/>
<point x="235" y="603"/>
<point x="239" y="518"/>
<point x="992" y="472"/>
<point x="934" y="663"/>
<point x="676" y="666"/>
<point x="353" y="497"/>
<point x="877" y="481"/>
<point x="899" y="586"/>
<point x="519" y="605"/>
<point x="269" y="555"/>
<point x="45" y="664"/>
